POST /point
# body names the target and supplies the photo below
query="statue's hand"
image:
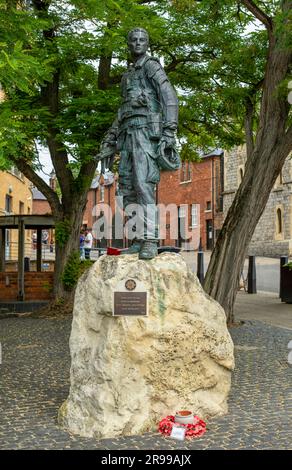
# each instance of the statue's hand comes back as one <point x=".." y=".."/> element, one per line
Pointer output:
<point x="108" y="147"/>
<point x="167" y="141"/>
<point x="108" y="150"/>
<point x="168" y="136"/>
<point x="167" y="149"/>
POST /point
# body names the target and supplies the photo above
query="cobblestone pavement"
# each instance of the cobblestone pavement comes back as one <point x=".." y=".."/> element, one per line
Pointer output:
<point x="35" y="379"/>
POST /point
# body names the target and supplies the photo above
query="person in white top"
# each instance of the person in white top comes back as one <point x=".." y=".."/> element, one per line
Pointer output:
<point x="88" y="243"/>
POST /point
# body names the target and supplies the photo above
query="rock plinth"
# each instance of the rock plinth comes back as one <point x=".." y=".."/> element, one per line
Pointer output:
<point x="128" y="373"/>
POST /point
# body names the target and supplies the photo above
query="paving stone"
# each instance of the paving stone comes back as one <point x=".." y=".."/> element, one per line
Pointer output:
<point x="34" y="382"/>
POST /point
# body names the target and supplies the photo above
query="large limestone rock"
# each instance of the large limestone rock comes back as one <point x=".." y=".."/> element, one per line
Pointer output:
<point x="127" y="373"/>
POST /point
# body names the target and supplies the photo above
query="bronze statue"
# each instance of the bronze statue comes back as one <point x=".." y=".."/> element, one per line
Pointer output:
<point x="144" y="135"/>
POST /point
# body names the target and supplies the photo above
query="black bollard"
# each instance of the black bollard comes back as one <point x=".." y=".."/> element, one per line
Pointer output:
<point x="283" y="260"/>
<point x="200" y="245"/>
<point x="252" y="276"/>
<point x="200" y="266"/>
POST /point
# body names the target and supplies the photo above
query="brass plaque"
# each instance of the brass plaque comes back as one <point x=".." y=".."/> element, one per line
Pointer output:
<point x="130" y="303"/>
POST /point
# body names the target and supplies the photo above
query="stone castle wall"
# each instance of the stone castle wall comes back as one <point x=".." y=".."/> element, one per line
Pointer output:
<point x="266" y="241"/>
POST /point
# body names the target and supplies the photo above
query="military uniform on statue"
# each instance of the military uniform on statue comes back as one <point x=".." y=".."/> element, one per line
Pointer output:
<point x="144" y="135"/>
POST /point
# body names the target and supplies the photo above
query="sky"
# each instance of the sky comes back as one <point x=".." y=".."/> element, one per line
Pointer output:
<point x="45" y="161"/>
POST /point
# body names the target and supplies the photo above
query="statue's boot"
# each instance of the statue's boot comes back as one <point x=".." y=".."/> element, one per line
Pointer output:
<point x="148" y="250"/>
<point x="134" y="248"/>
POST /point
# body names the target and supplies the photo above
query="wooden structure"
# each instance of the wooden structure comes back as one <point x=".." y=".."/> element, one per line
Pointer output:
<point x="22" y="223"/>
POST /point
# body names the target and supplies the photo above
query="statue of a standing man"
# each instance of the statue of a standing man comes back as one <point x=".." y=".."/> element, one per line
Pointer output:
<point x="144" y="135"/>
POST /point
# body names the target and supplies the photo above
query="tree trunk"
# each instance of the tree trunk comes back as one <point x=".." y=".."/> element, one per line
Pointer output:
<point x="222" y="278"/>
<point x="72" y="222"/>
<point x="264" y="163"/>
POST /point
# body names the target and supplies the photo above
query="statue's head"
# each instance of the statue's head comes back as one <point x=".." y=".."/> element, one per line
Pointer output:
<point x="138" y="42"/>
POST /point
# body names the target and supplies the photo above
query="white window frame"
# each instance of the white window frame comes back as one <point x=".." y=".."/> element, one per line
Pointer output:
<point x="182" y="211"/>
<point x="194" y="215"/>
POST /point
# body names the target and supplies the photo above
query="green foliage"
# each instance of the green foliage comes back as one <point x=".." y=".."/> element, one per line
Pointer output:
<point x="213" y="51"/>
<point x="22" y="66"/>
<point x="73" y="270"/>
<point x="62" y="232"/>
<point x="65" y="39"/>
<point x="288" y="265"/>
<point x="220" y="64"/>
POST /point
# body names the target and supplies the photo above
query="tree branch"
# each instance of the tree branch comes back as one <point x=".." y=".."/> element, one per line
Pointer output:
<point x="176" y="61"/>
<point x="87" y="170"/>
<point x="249" y="117"/>
<point x="42" y="186"/>
<point x="248" y="125"/>
<point x="259" y="14"/>
<point x="50" y="98"/>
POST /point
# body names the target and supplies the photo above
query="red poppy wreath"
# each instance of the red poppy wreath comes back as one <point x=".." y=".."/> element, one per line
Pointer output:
<point x="197" y="429"/>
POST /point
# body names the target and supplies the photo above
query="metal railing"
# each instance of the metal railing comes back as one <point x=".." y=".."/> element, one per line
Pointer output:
<point x="30" y="251"/>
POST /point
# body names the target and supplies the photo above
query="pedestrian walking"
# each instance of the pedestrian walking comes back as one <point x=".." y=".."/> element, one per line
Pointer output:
<point x="88" y="243"/>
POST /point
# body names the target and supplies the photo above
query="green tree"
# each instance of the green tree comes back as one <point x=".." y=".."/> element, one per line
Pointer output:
<point x="60" y="66"/>
<point x="230" y="61"/>
<point x="251" y="72"/>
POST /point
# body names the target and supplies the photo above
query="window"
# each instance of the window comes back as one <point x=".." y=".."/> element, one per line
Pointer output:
<point x="189" y="171"/>
<point x="208" y="206"/>
<point x="185" y="174"/>
<point x="182" y="211"/>
<point x="194" y="215"/>
<point x="8" y="204"/>
<point x="21" y="207"/>
<point x="241" y="174"/>
<point x="279" y="222"/>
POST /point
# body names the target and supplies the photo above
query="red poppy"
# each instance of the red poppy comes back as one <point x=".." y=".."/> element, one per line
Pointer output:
<point x="197" y="429"/>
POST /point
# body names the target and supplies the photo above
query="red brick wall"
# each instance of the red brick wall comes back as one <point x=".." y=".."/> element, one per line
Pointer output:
<point x="197" y="191"/>
<point x="40" y="207"/>
<point x="37" y="286"/>
<point x="172" y="190"/>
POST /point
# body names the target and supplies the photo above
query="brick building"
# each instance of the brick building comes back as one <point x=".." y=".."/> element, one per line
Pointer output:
<point x="273" y="234"/>
<point x="196" y="192"/>
<point x="196" y="189"/>
<point x="15" y="193"/>
<point x="40" y="204"/>
<point x="15" y="198"/>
